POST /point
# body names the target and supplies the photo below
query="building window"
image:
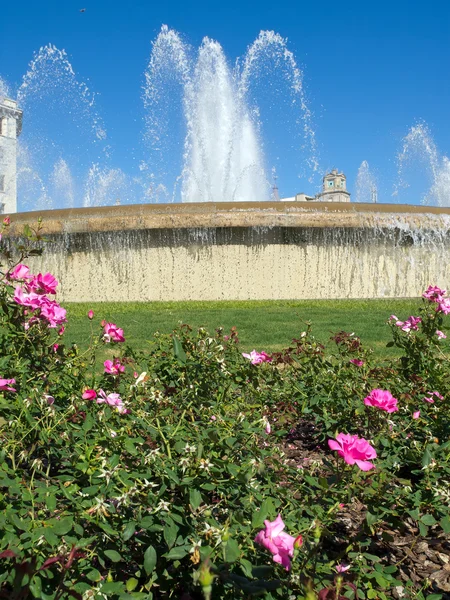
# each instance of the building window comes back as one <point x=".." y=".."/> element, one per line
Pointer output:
<point x="3" y="123"/>
<point x="330" y="184"/>
<point x="2" y="183"/>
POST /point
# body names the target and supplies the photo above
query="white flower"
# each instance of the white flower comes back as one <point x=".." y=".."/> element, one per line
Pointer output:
<point x="141" y="378"/>
<point x="194" y="546"/>
<point x="163" y="505"/>
<point x="184" y="463"/>
<point x="205" y="464"/>
<point x="189" y="448"/>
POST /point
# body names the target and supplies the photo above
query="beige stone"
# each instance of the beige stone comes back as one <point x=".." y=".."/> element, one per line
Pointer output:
<point x="240" y="251"/>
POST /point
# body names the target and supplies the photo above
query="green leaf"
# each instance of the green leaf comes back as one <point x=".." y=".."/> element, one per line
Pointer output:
<point x="130" y="447"/>
<point x="414" y="513"/>
<point x="108" y="529"/>
<point x="36" y="586"/>
<point x="178" y="350"/>
<point x="131" y="584"/>
<point x="129" y="530"/>
<point x="62" y="526"/>
<point x="195" y="499"/>
<point x="371" y="519"/>
<point x="428" y="520"/>
<point x="389" y="569"/>
<point x="177" y="553"/>
<point x="426" y="458"/>
<point x="113" y="555"/>
<point x="231" y="551"/>
<point x="150" y="560"/>
<point x="445" y="524"/>
<point x="51" y="538"/>
<point x="94" y="575"/>
<point x="50" y="501"/>
<point x="113" y="587"/>
<point x="259" y="516"/>
<point x="170" y="532"/>
<point x="246" y="567"/>
<point x="172" y="475"/>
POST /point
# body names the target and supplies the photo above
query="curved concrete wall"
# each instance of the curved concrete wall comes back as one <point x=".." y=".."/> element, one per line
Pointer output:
<point x="284" y="250"/>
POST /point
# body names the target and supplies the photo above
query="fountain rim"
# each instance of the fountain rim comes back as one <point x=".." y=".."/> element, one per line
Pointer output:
<point x="231" y="214"/>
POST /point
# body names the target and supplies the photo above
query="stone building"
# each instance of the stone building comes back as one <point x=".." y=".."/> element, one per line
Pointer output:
<point x="334" y="189"/>
<point x="10" y="128"/>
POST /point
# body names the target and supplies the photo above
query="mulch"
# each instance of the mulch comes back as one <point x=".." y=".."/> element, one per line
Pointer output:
<point x="419" y="560"/>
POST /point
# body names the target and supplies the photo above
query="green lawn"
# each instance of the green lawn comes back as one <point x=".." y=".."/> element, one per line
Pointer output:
<point x="264" y="325"/>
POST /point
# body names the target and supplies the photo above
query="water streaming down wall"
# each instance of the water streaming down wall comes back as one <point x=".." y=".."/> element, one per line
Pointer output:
<point x="245" y="251"/>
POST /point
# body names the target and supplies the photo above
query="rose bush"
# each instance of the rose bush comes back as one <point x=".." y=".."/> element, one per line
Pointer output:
<point x="162" y="473"/>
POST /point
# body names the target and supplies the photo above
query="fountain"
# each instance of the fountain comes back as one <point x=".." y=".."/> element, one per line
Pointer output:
<point x="216" y="129"/>
<point x="221" y="241"/>
<point x="223" y="159"/>
<point x="419" y="149"/>
<point x="366" y="185"/>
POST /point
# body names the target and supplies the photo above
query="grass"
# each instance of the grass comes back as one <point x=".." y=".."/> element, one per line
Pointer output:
<point x="264" y="325"/>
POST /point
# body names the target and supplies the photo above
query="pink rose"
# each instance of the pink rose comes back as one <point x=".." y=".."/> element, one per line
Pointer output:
<point x="113" y="368"/>
<point x="91" y="314"/>
<point x="113" y="400"/>
<point x="440" y="334"/>
<point x="20" y="272"/>
<point x="357" y="362"/>
<point x="31" y="300"/>
<point x="5" y="385"/>
<point x="430" y="398"/>
<point x="444" y="306"/>
<point x="416" y="414"/>
<point x="257" y="357"/>
<point x="7" y="221"/>
<point x="434" y="294"/>
<point x="382" y="399"/>
<point x="112" y="332"/>
<point x="53" y="313"/>
<point x="43" y="284"/>
<point x="89" y="395"/>
<point x="411" y="324"/>
<point x="279" y="543"/>
<point x="354" y="450"/>
<point x="342" y="568"/>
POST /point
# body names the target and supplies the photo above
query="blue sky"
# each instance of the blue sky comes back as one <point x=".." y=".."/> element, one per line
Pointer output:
<point x="371" y="70"/>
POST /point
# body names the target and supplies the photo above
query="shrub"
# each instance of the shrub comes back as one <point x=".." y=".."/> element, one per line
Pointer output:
<point x="163" y="473"/>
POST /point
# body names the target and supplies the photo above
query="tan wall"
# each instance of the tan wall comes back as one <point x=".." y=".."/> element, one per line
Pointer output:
<point x="245" y="251"/>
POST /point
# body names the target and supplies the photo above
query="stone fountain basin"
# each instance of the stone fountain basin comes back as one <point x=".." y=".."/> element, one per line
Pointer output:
<point x="243" y="250"/>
